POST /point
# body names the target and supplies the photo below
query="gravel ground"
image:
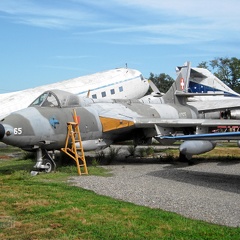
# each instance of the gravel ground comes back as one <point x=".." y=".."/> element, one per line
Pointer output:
<point x="208" y="191"/>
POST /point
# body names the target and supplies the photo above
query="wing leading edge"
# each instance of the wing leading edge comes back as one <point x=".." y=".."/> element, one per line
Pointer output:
<point x="206" y="136"/>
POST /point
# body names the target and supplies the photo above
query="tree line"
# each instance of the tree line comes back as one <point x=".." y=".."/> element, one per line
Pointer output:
<point x="226" y="69"/>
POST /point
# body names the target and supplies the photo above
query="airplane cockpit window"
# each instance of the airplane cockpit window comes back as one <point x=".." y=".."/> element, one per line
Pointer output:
<point x="142" y="78"/>
<point x="47" y="99"/>
<point x="57" y="98"/>
<point x="40" y="99"/>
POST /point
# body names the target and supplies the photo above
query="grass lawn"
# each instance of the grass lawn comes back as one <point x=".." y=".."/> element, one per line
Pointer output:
<point x="47" y="207"/>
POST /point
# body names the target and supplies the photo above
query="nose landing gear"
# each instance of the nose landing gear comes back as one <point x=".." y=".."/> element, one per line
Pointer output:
<point x="45" y="162"/>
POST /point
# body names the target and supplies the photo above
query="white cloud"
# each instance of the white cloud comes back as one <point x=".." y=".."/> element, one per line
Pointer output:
<point x="45" y="15"/>
<point x="204" y="9"/>
<point x="154" y="22"/>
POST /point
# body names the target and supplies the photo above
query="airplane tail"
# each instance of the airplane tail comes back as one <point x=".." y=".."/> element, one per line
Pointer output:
<point x="203" y="81"/>
<point x="193" y="82"/>
<point x="178" y="91"/>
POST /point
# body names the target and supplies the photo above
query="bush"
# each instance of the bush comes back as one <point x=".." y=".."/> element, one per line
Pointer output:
<point x="142" y="152"/>
<point x="150" y="151"/>
<point x="112" y="155"/>
<point x="132" y="150"/>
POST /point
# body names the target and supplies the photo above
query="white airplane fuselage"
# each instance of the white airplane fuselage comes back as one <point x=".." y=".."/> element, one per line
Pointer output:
<point x="118" y="83"/>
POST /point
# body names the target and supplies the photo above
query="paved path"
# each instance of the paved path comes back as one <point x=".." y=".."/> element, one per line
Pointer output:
<point x="208" y="191"/>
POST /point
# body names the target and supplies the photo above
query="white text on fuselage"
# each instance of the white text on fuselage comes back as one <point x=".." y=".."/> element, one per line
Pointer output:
<point x="182" y="115"/>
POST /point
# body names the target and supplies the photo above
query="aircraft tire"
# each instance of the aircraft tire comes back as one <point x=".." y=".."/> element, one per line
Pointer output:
<point x="182" y="158"/>
<point x="50" y="166"/>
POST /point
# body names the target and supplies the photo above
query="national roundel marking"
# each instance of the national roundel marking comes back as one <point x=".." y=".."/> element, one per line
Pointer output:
<point x="182" y="83"/>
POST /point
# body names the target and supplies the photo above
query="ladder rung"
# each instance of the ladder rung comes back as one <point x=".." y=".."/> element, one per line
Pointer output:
<point x="72" y="123"/>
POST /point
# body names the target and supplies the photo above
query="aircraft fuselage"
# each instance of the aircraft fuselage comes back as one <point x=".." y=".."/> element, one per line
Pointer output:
<point x="102" y="122"/>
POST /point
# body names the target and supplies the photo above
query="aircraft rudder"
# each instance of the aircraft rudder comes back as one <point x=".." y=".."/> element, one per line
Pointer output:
<point x="180" y="85"/>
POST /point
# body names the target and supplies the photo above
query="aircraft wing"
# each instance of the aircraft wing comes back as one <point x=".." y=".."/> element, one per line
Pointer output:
<point x="115" y="121"/>
<point x="214" y="105"/>
<point x="196" y="74"/>
<point x="206" y="136"/>
<point x="181" y="123"/>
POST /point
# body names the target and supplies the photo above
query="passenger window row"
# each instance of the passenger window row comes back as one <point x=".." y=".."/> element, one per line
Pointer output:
<point x="104" y="94"/>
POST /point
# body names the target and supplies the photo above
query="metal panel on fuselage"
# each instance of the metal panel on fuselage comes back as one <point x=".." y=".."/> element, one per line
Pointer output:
<point x="89" y="123"/>
<point x="170" y="111"/>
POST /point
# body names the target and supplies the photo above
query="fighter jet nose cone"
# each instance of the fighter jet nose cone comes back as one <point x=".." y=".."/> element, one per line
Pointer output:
<point x="2" y="131"/>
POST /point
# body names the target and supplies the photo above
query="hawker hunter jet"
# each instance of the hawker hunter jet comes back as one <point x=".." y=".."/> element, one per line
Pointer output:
<point x="42" y="127"/>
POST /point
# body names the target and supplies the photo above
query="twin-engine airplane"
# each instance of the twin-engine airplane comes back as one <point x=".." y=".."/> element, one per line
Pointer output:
<point x="42" y="127"/>
<point x="116" y="83"/>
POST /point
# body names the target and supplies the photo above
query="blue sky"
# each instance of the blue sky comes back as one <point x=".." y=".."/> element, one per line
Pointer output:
<point x="45" y="41"/>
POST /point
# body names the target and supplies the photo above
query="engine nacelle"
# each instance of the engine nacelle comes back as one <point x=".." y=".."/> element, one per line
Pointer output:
<point x="210" y="115"/>
<point x="190" y="148"/>
<point x="231" y="114"/>
<point x="227" y="114"/>
<point x="235" y="114"/>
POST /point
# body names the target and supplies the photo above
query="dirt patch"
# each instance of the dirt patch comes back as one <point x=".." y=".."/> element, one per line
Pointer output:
<point x="5" y="157"/>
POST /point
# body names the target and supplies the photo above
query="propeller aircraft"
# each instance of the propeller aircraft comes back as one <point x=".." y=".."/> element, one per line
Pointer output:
<point x="115" y="83"/>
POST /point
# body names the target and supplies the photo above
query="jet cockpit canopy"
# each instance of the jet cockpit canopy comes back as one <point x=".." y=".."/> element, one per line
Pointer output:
<point x="56" y="98"/>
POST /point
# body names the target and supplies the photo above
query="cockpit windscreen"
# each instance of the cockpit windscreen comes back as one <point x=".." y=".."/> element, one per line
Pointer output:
<point x="47" y="99"/>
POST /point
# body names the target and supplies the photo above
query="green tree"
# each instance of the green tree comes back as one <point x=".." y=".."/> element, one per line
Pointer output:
<point x="203" y="65"/>
<point x="162" y="81"/>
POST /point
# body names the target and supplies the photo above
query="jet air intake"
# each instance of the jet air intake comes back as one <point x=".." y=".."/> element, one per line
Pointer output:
<point x="2" y="131"/>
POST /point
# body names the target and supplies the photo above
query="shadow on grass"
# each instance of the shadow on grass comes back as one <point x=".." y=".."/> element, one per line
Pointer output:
<point x="12" y="165"/>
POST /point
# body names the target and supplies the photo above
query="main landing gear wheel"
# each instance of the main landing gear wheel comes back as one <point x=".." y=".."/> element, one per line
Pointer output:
<point x="49" y="166"/>
<point x="183" y="158"/>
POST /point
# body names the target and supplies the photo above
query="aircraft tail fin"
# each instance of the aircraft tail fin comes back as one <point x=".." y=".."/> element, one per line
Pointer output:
<point x="178" y="91"/>
<point x="203" y="81"/>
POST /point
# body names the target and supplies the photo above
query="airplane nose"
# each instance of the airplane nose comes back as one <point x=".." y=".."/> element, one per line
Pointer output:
<point x="2" y="131"/>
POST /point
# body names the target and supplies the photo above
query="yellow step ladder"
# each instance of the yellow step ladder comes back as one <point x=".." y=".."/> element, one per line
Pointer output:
<point x="75" y="152"/>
